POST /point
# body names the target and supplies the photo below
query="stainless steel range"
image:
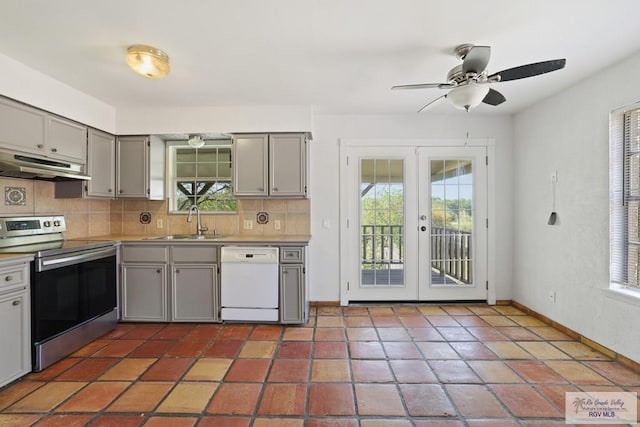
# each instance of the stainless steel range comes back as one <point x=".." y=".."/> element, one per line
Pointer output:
<point x="73" y="285"/>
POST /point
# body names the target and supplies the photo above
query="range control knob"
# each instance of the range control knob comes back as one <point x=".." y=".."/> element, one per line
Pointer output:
<point x="47" y="224"/>
<point x="56" y="223"/>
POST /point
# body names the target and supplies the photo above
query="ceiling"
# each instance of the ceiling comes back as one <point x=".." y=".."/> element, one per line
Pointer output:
<point x="339" y="56"/>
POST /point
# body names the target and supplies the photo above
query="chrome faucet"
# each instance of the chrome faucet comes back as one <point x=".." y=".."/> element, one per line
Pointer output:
<point x="199" y="226"/>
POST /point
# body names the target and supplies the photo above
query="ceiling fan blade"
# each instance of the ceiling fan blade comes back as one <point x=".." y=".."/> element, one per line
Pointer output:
<point x="432" y="103"/>
<point x="494" y="98"/>
<point x="476" y="60"/>
<point x="529" y="70"/>
<point x="425" y="86"/>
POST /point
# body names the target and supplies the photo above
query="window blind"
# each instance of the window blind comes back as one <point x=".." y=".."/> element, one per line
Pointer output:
<point x="624" y="183"/>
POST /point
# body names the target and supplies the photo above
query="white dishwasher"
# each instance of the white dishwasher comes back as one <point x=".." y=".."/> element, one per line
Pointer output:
<point x="249" y="283"/>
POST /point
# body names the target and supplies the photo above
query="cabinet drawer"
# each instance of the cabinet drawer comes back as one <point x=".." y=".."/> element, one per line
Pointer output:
<point x="13" y="276"/>
<point x="194" y="253"/>
<point x="144" y="253"/>
<point x="292" y="255"/>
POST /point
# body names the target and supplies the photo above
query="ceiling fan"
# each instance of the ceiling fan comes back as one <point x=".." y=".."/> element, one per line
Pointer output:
<point x="469" y="81"/>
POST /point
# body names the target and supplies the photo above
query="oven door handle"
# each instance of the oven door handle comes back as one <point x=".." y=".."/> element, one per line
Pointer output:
<point x="44" y="264"/>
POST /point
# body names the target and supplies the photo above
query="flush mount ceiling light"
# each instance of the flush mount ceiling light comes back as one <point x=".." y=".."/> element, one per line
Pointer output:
<point x="468" y="96"/>
<point x="195" y="141"/>
<point x="148" y="61"/>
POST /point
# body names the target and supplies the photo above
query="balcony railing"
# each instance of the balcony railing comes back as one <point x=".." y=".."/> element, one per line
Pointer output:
<point x="383" y="249"/>
<point x="451" y="255"/>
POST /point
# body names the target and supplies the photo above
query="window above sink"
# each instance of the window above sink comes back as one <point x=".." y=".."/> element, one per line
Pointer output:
<point x="200" y="176"/>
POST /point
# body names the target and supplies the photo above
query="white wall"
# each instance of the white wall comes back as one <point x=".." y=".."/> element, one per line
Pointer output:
<point x="259" y="118"/>
<point x="569" y="132"/>
<point x="329" y="129"/>
<point x="35" y="88"/>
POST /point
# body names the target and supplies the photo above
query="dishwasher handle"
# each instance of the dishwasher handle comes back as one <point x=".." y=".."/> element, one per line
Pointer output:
<point x="249" y="255"/>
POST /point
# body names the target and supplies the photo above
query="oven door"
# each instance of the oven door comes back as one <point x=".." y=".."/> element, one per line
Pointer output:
<point x="71" y="289"/>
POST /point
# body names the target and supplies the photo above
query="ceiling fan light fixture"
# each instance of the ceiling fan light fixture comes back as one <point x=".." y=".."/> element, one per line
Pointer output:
<point x="195" y="141"/>
<point x="468" y="96"/>
<point x="148" y="61"/>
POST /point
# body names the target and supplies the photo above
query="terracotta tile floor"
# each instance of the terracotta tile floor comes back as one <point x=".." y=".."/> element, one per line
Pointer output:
<point x="377" y="365"/>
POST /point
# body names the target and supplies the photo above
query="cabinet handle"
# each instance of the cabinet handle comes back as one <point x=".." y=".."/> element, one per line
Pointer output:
<point x="120" y="191"/>
<point x="158" y="271"/>
<point x="109" y="190"/>
<point x="54" y="150"/>
<point x="16" y="302"/>
<point x="8" y="278"/>
<point x="40" y="146"/>
<point x="274" y="189"/>
<point x="260" y="189"/>
<point x="285" y="271"/>
<point x="177" y="270"/>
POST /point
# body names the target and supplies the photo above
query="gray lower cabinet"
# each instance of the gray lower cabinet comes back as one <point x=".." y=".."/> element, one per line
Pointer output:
<point x="172" y="283"/>
<point x="180" y="283"/>
<point x="15" y="318"/>
<point x="194" y="283"/>
<point x="293" y="301"/>
<point x="144" y="292"/>
<point x="193" y="289"/>
<point x="143" y="283"/>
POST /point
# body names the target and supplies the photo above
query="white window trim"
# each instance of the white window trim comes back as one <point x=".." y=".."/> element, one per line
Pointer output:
<point x="622" y="293"/>
<point x="616" y="290"/>
<point x="171" y="180"/>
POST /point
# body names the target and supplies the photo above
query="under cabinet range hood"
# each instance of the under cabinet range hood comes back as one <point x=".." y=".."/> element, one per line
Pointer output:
<point x="24" y="166"/>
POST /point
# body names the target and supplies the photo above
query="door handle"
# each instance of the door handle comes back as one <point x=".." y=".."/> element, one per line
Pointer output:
<point x="423" y="228"/>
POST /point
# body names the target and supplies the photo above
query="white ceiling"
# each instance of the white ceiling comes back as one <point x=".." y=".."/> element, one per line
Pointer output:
<point x="340" y="56"/>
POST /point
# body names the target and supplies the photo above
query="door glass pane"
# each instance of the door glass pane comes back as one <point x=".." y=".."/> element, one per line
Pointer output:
<point x="451" y="222"/>
<point x="382" y="222"/>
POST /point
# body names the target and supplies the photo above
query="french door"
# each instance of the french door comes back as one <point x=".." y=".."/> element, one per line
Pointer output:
<point x="415" y="224"/>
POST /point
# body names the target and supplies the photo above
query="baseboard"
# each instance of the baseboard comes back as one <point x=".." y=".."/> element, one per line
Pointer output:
<point x="631" y="364"/>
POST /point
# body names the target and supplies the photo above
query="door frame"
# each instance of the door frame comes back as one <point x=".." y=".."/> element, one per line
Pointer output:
<point x="345" y="219"/>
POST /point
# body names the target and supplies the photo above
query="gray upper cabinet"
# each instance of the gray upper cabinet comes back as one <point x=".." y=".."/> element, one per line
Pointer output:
<point x="101" y="164"/>
<point x="140" y="167"/>
<point x="287" y="165"/>
<point x="66" y="140"/>
<point x="269" y="165"/>
<point x="250" y="165"/>
<point x="21" y="127"/>
<point x="34" y="131"/>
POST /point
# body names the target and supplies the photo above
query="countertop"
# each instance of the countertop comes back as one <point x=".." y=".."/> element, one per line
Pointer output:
<point x="264" y="239"/>
<point x="13" y="257"/>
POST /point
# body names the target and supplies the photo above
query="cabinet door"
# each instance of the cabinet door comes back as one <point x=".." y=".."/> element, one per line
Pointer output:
<point x="193" y="289"/>
<point x="66" y="140"/>
<point x="292" y="298"/>
<point x="22" y="128"/>
<point x="144" y="293"/>
<point x="132" y="165"/>
<point x="101" y="164"/>
<point x="15" y="336"/>
<point x="287" y="165"/>
<point x="250" y="163"/>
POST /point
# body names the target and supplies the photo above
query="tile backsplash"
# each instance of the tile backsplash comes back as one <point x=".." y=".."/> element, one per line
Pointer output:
<point x="96" y="217"/>
<point x="291" y="215"/>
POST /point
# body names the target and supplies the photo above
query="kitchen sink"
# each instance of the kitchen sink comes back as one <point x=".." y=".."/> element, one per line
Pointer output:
<point x="186" y="237"/>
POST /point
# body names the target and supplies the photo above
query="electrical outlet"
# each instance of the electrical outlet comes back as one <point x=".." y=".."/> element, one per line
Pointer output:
<point x="248" y="224"/>
<point x="276" y="224"/>
<point x="159" y="223"/>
